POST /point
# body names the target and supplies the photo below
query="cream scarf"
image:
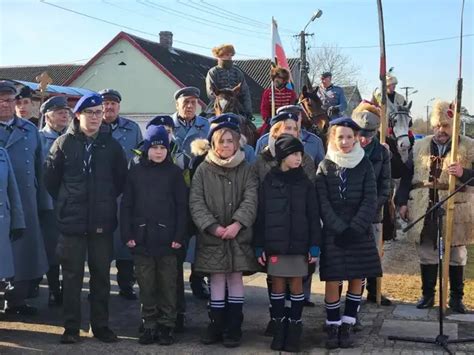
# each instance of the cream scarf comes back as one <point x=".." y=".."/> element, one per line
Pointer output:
<point x="231" y="162"/>
<point x="346" y="160"/>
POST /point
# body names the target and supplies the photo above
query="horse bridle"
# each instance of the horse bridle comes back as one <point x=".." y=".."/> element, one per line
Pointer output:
<point x="391" y="124"/>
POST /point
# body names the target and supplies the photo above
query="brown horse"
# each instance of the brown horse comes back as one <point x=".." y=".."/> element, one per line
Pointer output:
<point x="315" y="118"/>
<point x="227" y="100"/>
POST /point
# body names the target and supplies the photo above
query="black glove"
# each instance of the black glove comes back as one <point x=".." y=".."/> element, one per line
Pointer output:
<point x="346" y="238"/>
<point x="16" y="234"/>
<point x="333" y="110"/>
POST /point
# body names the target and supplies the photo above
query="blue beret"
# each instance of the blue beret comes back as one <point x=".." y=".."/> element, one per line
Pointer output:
<point x="155" y="135"/>
<point x="163" y="120"/>
<point x="222" y="125"/>
<point x="54" y="103"/>
<point x="345" y="122"/>
<point x="7" y="86"/>
<point x="290" y="108"/>
<point x="25" y="93"/>
<point x="110" y="94"/>
<point x="86" y="101"/>
<point x="226" y="117"/>
<point x="283" y="117"/>
<point x="187" y="91"/>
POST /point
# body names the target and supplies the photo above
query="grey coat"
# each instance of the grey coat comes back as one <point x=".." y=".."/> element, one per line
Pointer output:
<point x="24" y="148"/>
<point x="11" y="214"/>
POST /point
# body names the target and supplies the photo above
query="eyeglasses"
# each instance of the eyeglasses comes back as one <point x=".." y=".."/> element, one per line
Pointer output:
<point x="91" y="113"/>
<point x="9" y="101"/>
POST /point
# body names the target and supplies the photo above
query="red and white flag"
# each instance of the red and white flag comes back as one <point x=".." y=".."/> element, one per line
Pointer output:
<point x="278" y="53"/>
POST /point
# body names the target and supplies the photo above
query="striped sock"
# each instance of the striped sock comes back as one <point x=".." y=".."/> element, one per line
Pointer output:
<point x="235" y="299"/>
<point x="332" y="312"/>
<point x="296" y="310"/>
<point x="278" y="304"/>
<point x="217" y="304"/>
<point x="350" y="311"/>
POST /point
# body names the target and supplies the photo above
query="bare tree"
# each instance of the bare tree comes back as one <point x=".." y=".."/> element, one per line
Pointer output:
<point x="331" y="58"/>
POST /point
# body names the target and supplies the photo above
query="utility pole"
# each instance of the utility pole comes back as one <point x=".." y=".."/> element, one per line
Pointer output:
<point x="304" y="66"/>
<point x="427" y="119"/>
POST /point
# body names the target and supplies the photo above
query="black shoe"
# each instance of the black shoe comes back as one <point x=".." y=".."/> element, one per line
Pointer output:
<point x="456" y="305"/>
<point x="278" y="341"/>
<point x="332" y="341"/>
<point x="232" y="338"/>
<point x="308" y="303"/>
<point x="425" y="302"/>
<point x="373" y="299"/>
<point x="358" y="326"/>
<point x="215" y="329"/>
<point x="293" y="337"/>
<point x="345" y="338"/>
<point x="70" y="336"/>
<point x="149" y="336"/>
<point x="179" y="325"/>
<point x="165" y="336"/>
<point x="24" y="310"/>
<point x="128" y="294"/>
<point x="233" y="334"/>
<point x="270" y="330"/>
<point x="55" y="299"/>
<point x="105" y="335"/>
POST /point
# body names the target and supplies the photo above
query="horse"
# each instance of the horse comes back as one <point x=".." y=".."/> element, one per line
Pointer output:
<point x="314" y="119"/>
<point x="227" y="100"/>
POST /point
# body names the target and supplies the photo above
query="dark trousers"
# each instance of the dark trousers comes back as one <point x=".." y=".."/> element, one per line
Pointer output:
<point x="16" y="294"/>
<point x="125" y="274"/>
<point x="181" y="301"/>
<point x="156" y="277"/>
<point x="71" y="252"/>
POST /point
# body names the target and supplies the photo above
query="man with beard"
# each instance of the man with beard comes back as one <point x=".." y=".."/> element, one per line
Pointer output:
<point x="427" y="185"/>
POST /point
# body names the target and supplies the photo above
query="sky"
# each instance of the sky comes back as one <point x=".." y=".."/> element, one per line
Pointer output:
<point x="38" y="32"/>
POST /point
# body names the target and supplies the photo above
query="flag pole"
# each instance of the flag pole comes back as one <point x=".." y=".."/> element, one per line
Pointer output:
<point x="274" y="59"/>
<point x="452" y="178"/>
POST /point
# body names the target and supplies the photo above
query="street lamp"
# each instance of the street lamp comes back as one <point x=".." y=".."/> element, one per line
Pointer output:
<point x="304" y="64"/>
<point x="428" y="115"/>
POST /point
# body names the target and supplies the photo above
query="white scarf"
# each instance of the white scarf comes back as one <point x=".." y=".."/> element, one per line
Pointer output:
<point x="230" y="162"/>
<point x="271" y="145"/>
<point x="346" y="160"/>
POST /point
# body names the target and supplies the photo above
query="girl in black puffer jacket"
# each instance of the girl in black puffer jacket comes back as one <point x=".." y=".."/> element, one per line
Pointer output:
<point x="287" y="236"/>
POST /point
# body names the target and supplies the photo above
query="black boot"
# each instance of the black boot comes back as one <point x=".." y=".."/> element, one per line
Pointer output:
<point x="456" y="285"/>
<point x="292" y="343"/>
<point x="214" y="330"/>
<point x="55" y="293"/>
<point x="428" y="284"/>
<point x="165" y="336"/>
<point x="332" y="341"/>
<point x="372" y="293"/>
<point x="345" y="338"/>
<point x="279" y="334"/>
<point x="233" y="333"/>
<point x="149" y="336"/>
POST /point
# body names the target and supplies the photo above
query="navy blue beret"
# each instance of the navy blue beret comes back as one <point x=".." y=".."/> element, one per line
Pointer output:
<point x="187" y="91"/>
<point x="290" y="108"/>
<point x="86" y="101"/>
<point x="163" y="120"/>
<point x="155" y="135"/>
<point x="345" y="122"/>
<point x="226" y="117"/>
<point x="222" y="125"/>
<point x="54" y="103"/>
<point x="283" y="117"/>
<point x="25" y="93"/>
<point x="7" y="86"/>
<point x="110" y="94"/>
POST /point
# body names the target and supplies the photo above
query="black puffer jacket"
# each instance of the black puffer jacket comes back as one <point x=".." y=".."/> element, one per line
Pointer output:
<point x="288" y="218"/>
<point x="154" y="208"/>
<point x="356" y="211"/>
<point x="86" y="202"/>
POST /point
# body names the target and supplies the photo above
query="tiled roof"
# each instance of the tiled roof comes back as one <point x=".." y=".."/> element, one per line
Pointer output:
<point x="59" y="73"/>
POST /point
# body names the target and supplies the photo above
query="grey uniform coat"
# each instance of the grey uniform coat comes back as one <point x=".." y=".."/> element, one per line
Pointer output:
<point x="24" y="148"/>
<point x="11" y="214"/>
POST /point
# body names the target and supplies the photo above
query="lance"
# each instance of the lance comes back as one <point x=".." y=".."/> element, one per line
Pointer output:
<point x="452" y="179"/>
<point x="43" y="80"/>
<point x="383" y="111"/>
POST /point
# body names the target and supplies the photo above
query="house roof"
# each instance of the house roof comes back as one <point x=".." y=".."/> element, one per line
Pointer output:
<point x="60" y="73"/>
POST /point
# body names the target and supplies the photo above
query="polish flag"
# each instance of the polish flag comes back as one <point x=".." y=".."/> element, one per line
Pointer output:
<point x="278" y="53"/>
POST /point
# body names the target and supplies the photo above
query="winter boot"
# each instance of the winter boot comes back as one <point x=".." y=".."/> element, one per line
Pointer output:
<point x="233" y="334"/>
<point x="456" y="285"/>
<point x="293" y="338"/>
<point x="213" y="333"/>
<point x="279" y="334"/>
<point x="332" y="341"/>
<point x="345" y="338"/>
<point x="428" y="284"/>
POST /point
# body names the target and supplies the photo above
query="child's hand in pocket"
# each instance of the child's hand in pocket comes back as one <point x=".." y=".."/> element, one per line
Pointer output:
<point x="175" y="245"/>
<point x="131" y="244"/>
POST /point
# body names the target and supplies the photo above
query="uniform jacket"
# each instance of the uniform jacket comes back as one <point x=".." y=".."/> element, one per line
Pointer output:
<point x="333" y="96"/>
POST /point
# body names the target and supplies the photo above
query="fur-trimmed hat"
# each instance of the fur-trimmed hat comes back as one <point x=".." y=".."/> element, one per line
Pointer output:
<point x="367" y="117"/>
<point x="223" y="49"/>
<point x="280" y="72"/>
<point x="442" y="113"/>
<point x="391" y="79"/>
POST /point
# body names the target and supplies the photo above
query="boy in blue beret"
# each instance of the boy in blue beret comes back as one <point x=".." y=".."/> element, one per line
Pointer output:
<point x="153" y="225"/>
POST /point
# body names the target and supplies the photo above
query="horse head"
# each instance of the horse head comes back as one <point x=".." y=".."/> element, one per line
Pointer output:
<point x="314" y="114"/>
<point x="227" y="100"/>
<point x="399" y="123"/>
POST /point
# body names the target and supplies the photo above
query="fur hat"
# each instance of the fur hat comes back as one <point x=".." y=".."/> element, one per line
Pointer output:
<point x="223" y="49"/>
<point x="391" y="79"/>
<point x="442" y="113"/>
<point x="367" y="106"/>
<point x="281" y="72"/>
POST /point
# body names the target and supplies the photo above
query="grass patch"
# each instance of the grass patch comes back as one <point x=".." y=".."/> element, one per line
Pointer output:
<point x="470" y="262"/>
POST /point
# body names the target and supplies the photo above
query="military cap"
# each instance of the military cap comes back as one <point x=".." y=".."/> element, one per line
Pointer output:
<point x="226" y="117"/>
<point x="345" y="122"/>
<point x="222" y="125"/>
<point x="86" y="101"/>
<point x="54" y="103"/>
<point x="326" y="74"/>
<point x="368" y="122"/>
<point x="7" y="86"/>
<point x="187" y="91"/>
<point x="283" y="117"/>
<point x="290" y="108"/>
<point x="110" y="94"/>
<point x="25" y="93"/>
<point x="161" y="120"/>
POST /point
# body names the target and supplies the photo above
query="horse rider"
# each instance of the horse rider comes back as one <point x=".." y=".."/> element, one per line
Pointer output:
<point x="225" y="75"/>
<point x="332" y="97"/>
<point x="394" y="98"/>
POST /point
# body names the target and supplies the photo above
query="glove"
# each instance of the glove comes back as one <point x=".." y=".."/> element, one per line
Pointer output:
<point x="16" y="234"/>
<point x="258" y="252"/>
<point x="333" y="110"/>
<point x="346" y="238"/>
